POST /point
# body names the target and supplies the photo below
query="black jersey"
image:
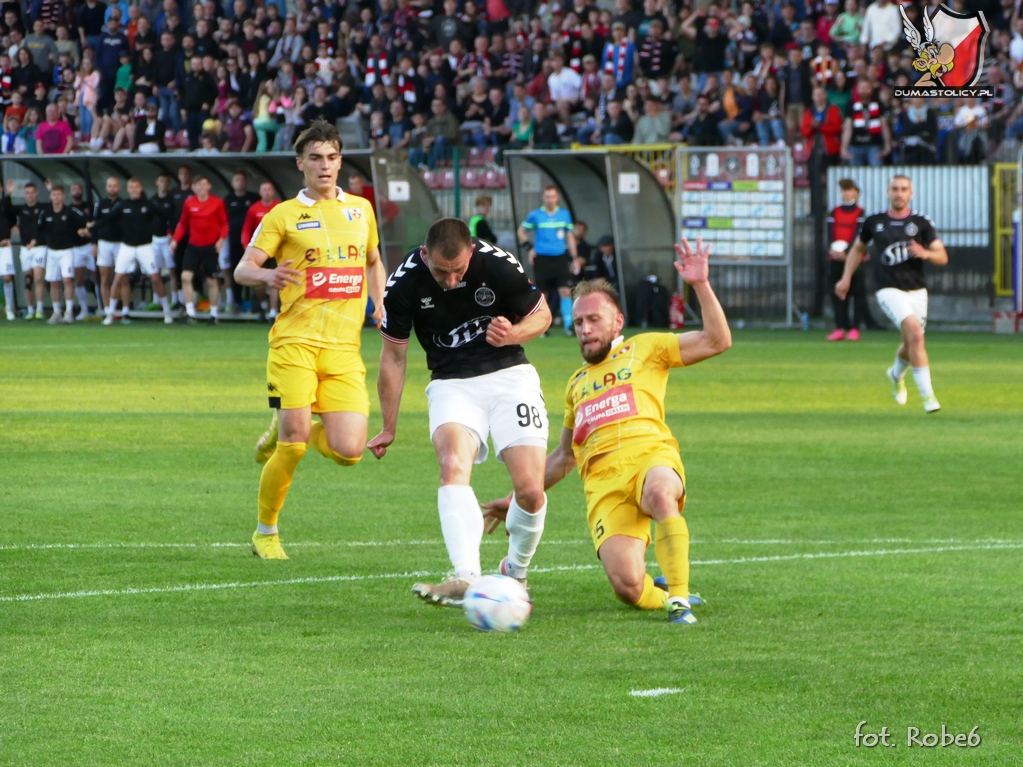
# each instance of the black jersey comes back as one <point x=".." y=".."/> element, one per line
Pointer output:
<point x="163" y="208"/>
<point x="82" y="208"/>
<point x="134" y="221"/>
<point x="237" y="206"/>
<point x="60" y="230"/>
<point x="28" y="221"/>
<point x="8" y="218"/>
<point x="887" y="239"/>
<point x="451" y="325"/>
<point x="106" y="223"/>
<point x="178" y="196"/>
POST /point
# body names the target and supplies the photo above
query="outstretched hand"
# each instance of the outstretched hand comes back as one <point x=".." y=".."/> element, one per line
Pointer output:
<point x="494" y="513"/>
<point x="692" y="266"/>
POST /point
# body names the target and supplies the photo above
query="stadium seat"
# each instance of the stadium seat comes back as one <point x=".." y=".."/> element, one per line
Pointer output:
<point x="430" y="179"/>
<point x="490" y="156"/>
<point x="470" y="179"/>
<point x="475" y="158"/>
<point x="447" y="179"/>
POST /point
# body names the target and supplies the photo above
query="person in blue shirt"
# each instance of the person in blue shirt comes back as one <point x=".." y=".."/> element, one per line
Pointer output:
<point x="553" y="253"/>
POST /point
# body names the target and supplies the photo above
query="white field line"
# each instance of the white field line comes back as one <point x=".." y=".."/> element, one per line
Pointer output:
<point x="418" y="574"/>
<point x="488" y="541"/>
<point x="657" y="692"/>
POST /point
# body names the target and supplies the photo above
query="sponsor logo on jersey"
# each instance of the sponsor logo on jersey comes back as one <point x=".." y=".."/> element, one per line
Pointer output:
<point x="464" y="333"/>
<point x="334" y="283"/>
<point x="485" y="297"/>
<point x="613" y="406"/>
<point x="911" y="229"/>
<point x="308" y="225"/>
<point x="895" y="253"/>
<point x="353" y="214"/>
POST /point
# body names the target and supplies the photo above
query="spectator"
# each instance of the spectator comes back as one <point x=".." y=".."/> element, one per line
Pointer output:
<point x="12" y="141"/>
<point x="654" y="127"/>
<point x="882" y="25"/>
<point x="849" y="25"/>
<point x="824" y="120"/>
<point x="522" y="130"/>
<point x="768" y="113"/>
<point x="618" y="128"/>
<point x="918" y="132"/>
<point x="90" y="23"/>
<point x="442" y="132"/>
<point x="971" y="122"/>
<point x="620" y="56"/>
<point x="165" y="62"/>
<point x="198" y="94"/>
<point x="866" y="137"/>
<point x="703" y="129"/>
<point x="54" y="136"/>
<point x="565" y="87"/>
<point x="239" y="135"/>
<point x="87" y="97"/>
<point x="108" y="59"/>
<point x="147" y="134"/>
<point x="796" y="82"/>
<point x="41" y="46"/>
<point x="28" y="130"/>
<point x="497" y="124"/>
<point x="264" y="118"/>
<point x="545" y="128"/>
<point x="26" y="74"/>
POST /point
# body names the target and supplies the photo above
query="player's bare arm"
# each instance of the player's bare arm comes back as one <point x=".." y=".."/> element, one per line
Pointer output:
<point x="560" y="463"/>
<point x="390" y="383"/>
<point x="852" y="263"/>
<point x="716" y="337"/>
<point x="935" y="252"/>
<point x="503" y="332"/>
<point x="250" y="271"/>
<point x="376" y="278"/>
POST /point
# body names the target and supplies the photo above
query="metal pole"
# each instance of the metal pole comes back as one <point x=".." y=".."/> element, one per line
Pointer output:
<point x="609" y="170"/>
<point x="789" y="306"/>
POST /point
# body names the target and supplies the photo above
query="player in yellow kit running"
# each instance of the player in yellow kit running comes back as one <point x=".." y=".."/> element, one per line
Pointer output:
<point x="615" y="432"/>
<point x="327" y="245"/>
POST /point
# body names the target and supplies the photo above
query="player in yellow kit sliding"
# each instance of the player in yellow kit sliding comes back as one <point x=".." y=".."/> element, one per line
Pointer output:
<point x="327" y="245"/>
<point x="615" y="431"/>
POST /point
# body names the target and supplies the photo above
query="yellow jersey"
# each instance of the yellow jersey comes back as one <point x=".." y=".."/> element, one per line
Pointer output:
<point x="326" y="240"/>
<point x="618" y="404"/>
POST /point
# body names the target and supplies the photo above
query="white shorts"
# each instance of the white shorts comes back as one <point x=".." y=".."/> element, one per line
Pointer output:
<point x="162" y="253"/>
<point x="7" y="260"/>
<point x="899" y="304"/>
<point x="32" y="258"/>
<point x="508" y="405"/>
<point x="225" y="256"/>
<point x="60" y="265"/>
<point x="83" y="258"/>
<point x="130" y="255"/>
<point x="106" y="253"/>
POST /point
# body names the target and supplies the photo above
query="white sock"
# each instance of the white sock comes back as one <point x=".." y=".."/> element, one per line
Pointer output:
<point x="82" y="295"/>
<point x="70" y="303"/>
<point x="39" y="307"/>
<point x="190" y="309"/>
<point x="57" y="311"/>
<point x="9" y="295"/>
<point x="266" y="529"/>
<point x="214" y="311"/>
<point x="164" y="304"/>
<point x="901" y="366"/>
<point x="461" y="522"/>
<point x="265" y="305"/>
<point x="272" y="313"/>
<point x="922" y="376"/>
<point x="524" y="532"/>
<point x="230" y="297"/>
<point x="112" y="307"/>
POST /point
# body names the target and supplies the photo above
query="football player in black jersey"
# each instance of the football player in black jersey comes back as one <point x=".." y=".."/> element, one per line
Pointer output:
<point x="237" y="204"/>
<point x="900" y="241"/>
<point x="471" y="306"/>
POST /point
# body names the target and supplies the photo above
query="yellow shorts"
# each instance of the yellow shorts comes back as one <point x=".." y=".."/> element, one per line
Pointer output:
<point x="331" y="380"/>
<point x="614" y="489"/>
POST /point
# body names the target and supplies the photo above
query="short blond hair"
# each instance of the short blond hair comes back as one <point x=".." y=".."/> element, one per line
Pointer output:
<point x="599" y="285"/>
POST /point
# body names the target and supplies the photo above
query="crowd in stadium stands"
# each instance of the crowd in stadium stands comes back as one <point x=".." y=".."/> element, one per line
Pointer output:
<point x="422" y="76"/>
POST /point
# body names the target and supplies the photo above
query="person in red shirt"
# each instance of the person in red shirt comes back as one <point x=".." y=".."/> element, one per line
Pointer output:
<point x="844" y="224"/>
<point x="267" y="201"/>
<point x="204" y="220"/>
<point x="824" y="120"/>
<point x="54" y="135"/>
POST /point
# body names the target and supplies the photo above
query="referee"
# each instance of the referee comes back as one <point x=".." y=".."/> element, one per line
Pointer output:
<point x="553" y="251"/>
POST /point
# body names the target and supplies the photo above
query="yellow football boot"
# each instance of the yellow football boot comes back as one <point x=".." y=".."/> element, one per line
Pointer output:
<point x="267" y="546"/>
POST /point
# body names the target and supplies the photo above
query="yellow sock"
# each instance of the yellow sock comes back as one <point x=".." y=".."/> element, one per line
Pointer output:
<point x="672" y="549"/>
<point x="275" y="481"/>
<point x="318" y="439"/>
<point x="652" y="598"/>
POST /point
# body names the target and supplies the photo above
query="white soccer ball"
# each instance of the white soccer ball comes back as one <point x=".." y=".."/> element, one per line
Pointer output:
<point x="497" y="603"/>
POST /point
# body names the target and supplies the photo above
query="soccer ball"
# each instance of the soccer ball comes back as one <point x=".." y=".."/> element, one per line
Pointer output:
<point x="497" y="603"/>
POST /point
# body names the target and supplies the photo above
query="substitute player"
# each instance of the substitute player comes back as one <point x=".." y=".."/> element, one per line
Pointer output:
<point x="108" y="239"/>
<point x="204" y="222"/>
<point x="8" y="219"/>
<point x="900" y="241"/>
<point x="83" y="255"/>
<point x="135" y="220"/>
<point x="59" y="228"/>
<point x="472" y="308"/>
<point x="267" y="201"/>
<point x="553" y="252"/>
<point x="33" y="251"/>
<point x="163" y="224"/>
<point x="329" y="252"/>
<point x="237" y="204"/>
<point x="614" y="431"/>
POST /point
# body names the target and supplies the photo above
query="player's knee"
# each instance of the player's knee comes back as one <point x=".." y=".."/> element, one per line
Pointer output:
<point x="660" y="501"/>
<point x="453" y="470"/>
<point x="627" y="588"/>
<point x="530" y="499"/>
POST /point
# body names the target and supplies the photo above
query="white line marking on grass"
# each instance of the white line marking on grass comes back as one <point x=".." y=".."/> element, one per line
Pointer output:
<point x="487" y="541"/>
<point x="655" y="693"/>
<point x="417" y="574"/>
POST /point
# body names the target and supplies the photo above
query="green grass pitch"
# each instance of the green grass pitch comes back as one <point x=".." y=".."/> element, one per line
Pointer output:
<point x="861" y="561"/>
